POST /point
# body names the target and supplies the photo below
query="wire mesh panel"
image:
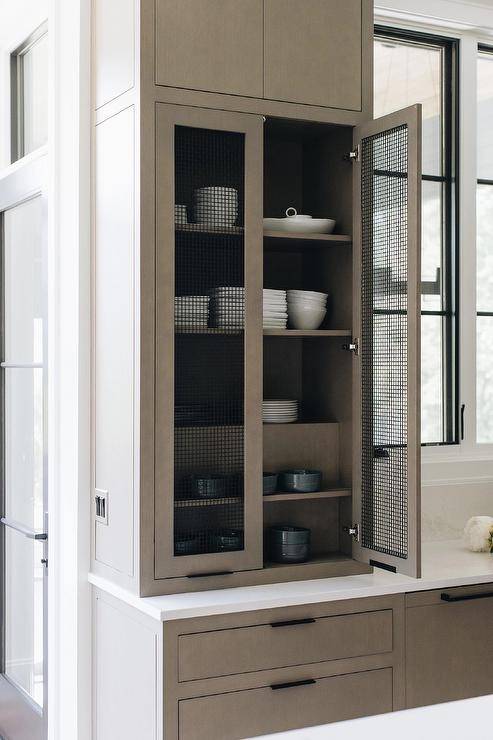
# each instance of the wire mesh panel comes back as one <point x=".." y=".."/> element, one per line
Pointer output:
<point x="209" y="341"/>
<point x="384" y="340"/>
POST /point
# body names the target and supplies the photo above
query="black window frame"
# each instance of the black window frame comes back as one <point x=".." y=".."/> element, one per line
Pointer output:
<point x="453" y="413"/>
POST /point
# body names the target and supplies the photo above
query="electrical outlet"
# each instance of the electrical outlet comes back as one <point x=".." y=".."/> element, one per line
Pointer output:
<point x="101" y="506"/>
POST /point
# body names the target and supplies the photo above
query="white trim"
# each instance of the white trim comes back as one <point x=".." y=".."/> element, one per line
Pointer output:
<point x="69" y="654"/>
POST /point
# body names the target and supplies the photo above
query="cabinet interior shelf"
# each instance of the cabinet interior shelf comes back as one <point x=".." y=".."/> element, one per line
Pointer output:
<point x="282" y="239"/>
<point x="307" y="333"/>
<point x="213" y="230"/>
<point x="333" y="493"/>
<point x="199" y="502"/>
<point x="208" y="330"/>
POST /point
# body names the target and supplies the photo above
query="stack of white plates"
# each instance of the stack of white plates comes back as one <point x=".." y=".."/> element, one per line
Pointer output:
<point x="228" y="307"/>
<point x="279" y="411"/>
<point x="275" y="309"/>
<point x="306" y="308"/>
<point x="216" y="206"/>
<point x="191" y="311"/>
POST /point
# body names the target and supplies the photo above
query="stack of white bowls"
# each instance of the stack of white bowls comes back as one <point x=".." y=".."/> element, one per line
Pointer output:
<point x="279" y="411"/>
<point x="275" y="309"/>
<point x="228" y="307"/>
<point x="306" y="308"/>
<point x="191" y="311"/>
<point x="216" y="206"/>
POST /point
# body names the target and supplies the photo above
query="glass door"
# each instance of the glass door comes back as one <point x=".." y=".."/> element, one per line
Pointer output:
<point x="387" y="249"/>
<point x="24" y="490"/>
<point x="209" y="339"/>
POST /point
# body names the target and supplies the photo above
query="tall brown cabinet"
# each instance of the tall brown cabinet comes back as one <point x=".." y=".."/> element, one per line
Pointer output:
<point x="271" y="108"/>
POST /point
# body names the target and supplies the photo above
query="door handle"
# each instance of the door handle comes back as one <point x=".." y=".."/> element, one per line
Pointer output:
<point x="466" y="597"/>
<point x="26" y="531"/>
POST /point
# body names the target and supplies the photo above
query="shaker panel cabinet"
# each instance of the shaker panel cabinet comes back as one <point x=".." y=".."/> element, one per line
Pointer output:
<point x="210" y="45"/>
<point x="286" y="706"/>
<point x="313" y="52"/>
<point x="449" y="645"/>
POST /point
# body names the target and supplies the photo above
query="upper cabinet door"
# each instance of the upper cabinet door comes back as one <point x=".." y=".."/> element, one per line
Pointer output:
<point x="387" y="228"/>
<point x="211" y="45"/>
<point x="313" y="52"/>
<point x="208" y="425"/>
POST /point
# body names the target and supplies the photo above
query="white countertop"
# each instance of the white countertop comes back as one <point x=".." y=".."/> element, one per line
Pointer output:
<point x="444" y="565"/>
<point x="455" y="721"/>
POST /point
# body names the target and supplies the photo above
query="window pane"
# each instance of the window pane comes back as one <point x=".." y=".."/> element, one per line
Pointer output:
<point x="431" y="379"/>
<point x="407" y="73"/>
<point x="484" y="379"/>
<point x="24" y="446"/>
<point x="484" y="246"/>
<point x="23" y="337"/>
<point x="24" y="613"/>
<point x="485" y="116"/>
<point x="431" y="245"/>
<point x="409" y="70"/>
<point x="35" y="95"/>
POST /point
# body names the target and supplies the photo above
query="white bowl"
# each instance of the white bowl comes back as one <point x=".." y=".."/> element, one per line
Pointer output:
<point x="307" y="293"/>
<point x="297" y="225"/>
<point x="306" y="318"/>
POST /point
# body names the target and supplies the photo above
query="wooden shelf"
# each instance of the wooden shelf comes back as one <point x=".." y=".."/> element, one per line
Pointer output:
<point x="212" y="230"/>
<point x="199" y="502"/>
<point x="208" y="330"/>
<point x="334" y="493"/>
<point x="307" y="333"/>
<point x="327" y="566"/>
<point x="283" y="240"/>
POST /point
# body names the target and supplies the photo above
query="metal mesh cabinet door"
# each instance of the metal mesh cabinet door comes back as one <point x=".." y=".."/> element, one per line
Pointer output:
<point x="386" y="325"/>
<point x="208" y="341"/>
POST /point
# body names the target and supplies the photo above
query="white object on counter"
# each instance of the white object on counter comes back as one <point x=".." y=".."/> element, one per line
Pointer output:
<point x="300" y="223"/>
<point x="477" y="533"/>
<point x="453" y="720"/>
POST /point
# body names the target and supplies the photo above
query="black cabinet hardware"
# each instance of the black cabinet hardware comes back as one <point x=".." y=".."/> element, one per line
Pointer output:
<point x="209" y="575"/>
<point x="309" y="620"/>
<point x="466" y="597"/>
<point x="292" y="684"/>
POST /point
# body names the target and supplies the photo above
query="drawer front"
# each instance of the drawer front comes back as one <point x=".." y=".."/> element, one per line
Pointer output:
<point x="253" y="712"/>
<point x="450" y="595"/>
<point x="279" y="644"/>
<point x="449" y="648"/>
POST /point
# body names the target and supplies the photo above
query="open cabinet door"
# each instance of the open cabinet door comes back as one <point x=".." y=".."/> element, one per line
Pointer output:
<point x="387" y="249"/>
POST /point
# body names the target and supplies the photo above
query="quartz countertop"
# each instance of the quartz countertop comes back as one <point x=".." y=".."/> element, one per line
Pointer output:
<point x="444" y="565"/>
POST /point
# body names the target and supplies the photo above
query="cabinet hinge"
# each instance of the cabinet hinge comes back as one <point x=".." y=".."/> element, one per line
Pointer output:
<point x="352" y="346"/>
<point x="353" y="531"/>
<point x="353" y="156"/>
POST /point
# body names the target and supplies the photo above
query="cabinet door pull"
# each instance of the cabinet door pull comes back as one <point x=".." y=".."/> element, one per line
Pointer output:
<point x="308" y="620"/>
<point x="292" y="684"/>
<point x="466" y="597"/>
<point x="210" y="575"/>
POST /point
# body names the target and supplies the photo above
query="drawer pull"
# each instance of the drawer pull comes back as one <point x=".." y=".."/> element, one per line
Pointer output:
<point x="466" y="597"/>
<point x="292" y="684"/>
<point x="308" y="620"/>
<point x="209" y="575"/>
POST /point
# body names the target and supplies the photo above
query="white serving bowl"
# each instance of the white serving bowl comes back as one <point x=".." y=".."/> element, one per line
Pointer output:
<point x="306" y="318"/>
<point x="299" y="223"/>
